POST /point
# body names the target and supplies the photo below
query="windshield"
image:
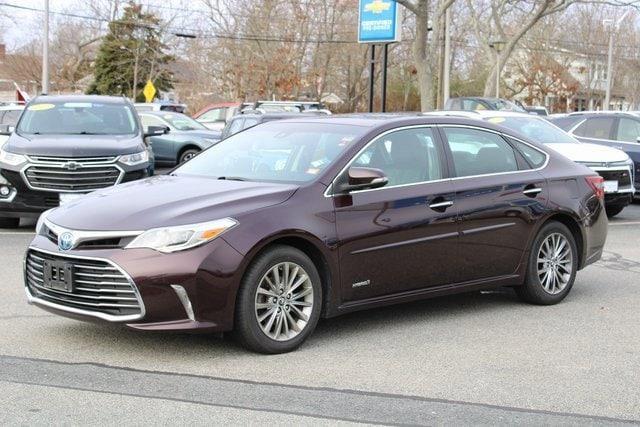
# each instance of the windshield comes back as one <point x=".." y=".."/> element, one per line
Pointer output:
<point x="275" y="151"/>
<point x="503" y="105"/>
<point x="182" y="122"/>
<point x="77" y="118"/>
<point x="538" y="130"/>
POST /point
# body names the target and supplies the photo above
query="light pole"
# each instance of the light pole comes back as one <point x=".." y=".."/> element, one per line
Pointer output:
<point x="497" y="45"/>
<point x="45" y="50"/>
<point x="607" y="98"/>
<point x="447" y="56"/>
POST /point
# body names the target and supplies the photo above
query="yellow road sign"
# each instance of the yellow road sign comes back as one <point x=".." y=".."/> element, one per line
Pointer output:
<point x="149" y="91"/>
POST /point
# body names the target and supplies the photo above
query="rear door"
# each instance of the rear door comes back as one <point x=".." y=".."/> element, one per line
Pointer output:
<point x="499" y="193"/>
<point x="403" y="236"/>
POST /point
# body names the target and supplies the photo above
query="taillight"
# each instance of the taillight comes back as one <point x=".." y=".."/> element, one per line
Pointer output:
<point x="597" y="184"/>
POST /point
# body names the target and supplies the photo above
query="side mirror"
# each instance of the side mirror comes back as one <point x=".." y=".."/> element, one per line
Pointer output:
<point x="638" y="139"/>
<point x="358" y="178"/>
<point x="156" y="131"/>
<point x="6" y="130"/>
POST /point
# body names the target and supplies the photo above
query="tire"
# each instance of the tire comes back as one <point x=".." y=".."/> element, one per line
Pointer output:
<point x="188" y="155"/>
<point x="613" y="210"/>
<point x="9" y="222"/>
<point x="259" y="326"/>
<point x="537" y="290"/>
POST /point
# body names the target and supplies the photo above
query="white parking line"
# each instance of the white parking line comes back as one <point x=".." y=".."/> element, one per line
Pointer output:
<point x="625" y="223"/>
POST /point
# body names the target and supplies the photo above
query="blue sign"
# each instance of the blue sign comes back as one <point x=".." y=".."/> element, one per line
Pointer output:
<point x="378" y="21"/>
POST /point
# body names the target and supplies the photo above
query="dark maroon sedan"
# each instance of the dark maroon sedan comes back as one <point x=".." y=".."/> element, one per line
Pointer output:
<point x="290" y="221"/>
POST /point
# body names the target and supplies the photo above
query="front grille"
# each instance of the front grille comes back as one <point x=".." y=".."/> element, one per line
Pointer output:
<point x="623" y="176"/>
<point x="82" y="179"/>
<point x="86" y="160"/>
<point x="96" y="243"/>
<point x="98" y="286"/>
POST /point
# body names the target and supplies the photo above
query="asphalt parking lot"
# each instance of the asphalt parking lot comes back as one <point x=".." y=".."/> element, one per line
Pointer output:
<point x="482" y="358"/>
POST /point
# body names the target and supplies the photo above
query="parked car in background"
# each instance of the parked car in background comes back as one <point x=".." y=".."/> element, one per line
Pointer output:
<point x="537" y="110"/>
<point x="216" y="116"/>
<point x="287" y="106"/>
<point x="473" y="103"/>
<point x="66" y="146"/>
<point x="251" y="118"/>
<point x="289" y="221"/>
<point x="9" y="115"/>
<point x="615" y="166"/>
<point x="161" y="106"/>
<point x="182" y="140"/>
<point x="619" y="130"/>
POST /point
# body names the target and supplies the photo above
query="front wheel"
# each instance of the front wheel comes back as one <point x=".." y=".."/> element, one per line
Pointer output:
<point x="279" y="301"/>
<point x="188" y="155"/>
<point x="613" y="210"/>
<point x="553" y="264"/>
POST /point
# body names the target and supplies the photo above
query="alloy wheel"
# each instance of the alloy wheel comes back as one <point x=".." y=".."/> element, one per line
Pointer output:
<point x="284" y="301"/>
<point x="555" y="263"/>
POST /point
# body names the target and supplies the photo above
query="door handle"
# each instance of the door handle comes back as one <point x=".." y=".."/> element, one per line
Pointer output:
<point x="532" y="191"/>
<point x="441" y="205"/>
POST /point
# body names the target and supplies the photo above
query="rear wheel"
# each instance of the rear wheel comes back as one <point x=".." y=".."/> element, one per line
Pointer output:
<point x="188" y="155"/>
<point x="279" y="301"/>
<point x="9" y="222"/>
<point x="613" y="210"/>
<point x="553" y="264"/>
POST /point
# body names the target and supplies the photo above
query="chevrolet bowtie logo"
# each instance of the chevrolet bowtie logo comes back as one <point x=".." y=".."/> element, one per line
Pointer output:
<point x="72" y="166"/>
<point x="377" y="6"/>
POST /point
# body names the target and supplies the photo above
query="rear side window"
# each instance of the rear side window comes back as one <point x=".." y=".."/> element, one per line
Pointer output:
<point x="477" y="152"/>
<point x="566" y="123"/>
<point x="596" y="127"/>
<point x="628" y="130"/>
<point x="534" y="157"/>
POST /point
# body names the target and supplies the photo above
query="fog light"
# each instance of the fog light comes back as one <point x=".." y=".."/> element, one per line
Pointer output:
<point x="4" y="191"/>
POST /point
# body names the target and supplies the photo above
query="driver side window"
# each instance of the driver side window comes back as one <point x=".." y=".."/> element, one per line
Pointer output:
<point x="406" y="157"/>
<point x="150" y="121"/>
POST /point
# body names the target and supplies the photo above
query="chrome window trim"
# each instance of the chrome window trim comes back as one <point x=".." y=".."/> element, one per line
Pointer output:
<point x="108" y="317"/>
<point x="87" y="235"/>
<point x="327" y="192"/>
<point x="60" y="165"/>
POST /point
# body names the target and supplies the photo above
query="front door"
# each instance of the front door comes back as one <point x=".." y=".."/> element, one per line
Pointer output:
<point x="499" y="195"/>
<point x="403" y="236"/>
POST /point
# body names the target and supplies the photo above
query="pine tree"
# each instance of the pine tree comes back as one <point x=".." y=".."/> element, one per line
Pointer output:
<point x="131" y="53"/>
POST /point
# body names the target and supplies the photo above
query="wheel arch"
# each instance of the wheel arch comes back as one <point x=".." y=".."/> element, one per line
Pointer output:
<point x="573" y="224"/>
<point x="311" y="247"/>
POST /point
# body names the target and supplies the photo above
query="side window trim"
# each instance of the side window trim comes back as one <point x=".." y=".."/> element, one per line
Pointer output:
<point x="445" y="170"/>
<point x="504" y="136"/>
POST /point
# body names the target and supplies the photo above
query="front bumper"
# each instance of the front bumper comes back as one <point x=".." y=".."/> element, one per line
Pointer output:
<point x="208" y="277"/>
<point x="25" y="202"/>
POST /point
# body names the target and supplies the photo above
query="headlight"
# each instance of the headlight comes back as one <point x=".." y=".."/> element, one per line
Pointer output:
<point x="135" y="159"/>
<point x="11" y="159"/>
<point x="173" y="239"/>
<point x="40" y="223"/>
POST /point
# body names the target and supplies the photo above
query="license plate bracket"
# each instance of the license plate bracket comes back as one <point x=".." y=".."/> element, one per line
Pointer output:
<point x="58" y="276"/>
<point x="611" y="186"/>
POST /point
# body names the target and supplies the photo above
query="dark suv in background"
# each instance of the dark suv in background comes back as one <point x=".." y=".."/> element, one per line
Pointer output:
<point x="614" y="129"/>
<point x="66" y="146"/>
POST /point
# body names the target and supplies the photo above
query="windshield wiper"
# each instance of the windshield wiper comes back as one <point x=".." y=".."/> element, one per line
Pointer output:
<point x="232" y="178"/>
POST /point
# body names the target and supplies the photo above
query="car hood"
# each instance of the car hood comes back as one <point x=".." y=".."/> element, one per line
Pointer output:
<point x="74" y="145"/>
<point x="166" y="201"/>
<point x="584" y="152"/>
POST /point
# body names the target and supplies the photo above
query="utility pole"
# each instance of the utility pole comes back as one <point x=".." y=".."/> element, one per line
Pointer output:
<point x="45" y="50"/>
<point x="447" y="56"/>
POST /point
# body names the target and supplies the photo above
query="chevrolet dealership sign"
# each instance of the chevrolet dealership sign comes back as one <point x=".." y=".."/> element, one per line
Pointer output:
<point x="378" y="21"/>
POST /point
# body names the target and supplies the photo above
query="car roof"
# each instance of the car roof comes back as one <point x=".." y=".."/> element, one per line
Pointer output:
<point x="613" y="113"/>
<point x="81" y="98"/>
<point x="14" y="107"/>
<point x="481" y="114"/>
<point x="160" y="113"/>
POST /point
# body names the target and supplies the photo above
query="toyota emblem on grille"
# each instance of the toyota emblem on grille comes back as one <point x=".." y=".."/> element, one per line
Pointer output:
<point x="65" y="241"/>
<point x="72" y="166"/>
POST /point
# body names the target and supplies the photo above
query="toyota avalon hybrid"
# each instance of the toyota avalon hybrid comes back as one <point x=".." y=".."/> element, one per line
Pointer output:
<point x="287" y="222"/>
